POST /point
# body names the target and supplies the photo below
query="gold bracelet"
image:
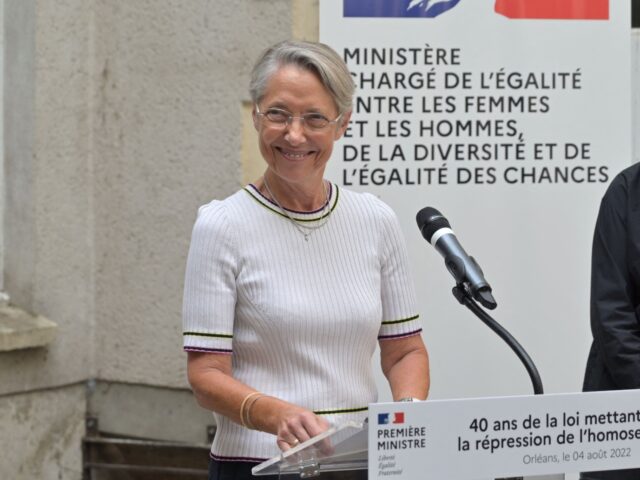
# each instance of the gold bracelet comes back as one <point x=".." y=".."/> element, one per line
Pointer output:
<point x="248" y="408"/>
<point x="242" y="405"/>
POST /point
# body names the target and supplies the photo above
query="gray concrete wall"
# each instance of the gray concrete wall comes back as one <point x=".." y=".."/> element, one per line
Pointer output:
<point x="158" y="413"/>
<point x="48" y="237"/>
<point x="18" y="130"/>
<point x="48" y="216"/>
<point x="41" y="435"/>
<point x="170" y="80"/>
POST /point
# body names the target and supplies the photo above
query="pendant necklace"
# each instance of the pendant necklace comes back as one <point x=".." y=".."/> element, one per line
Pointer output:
<point x="305" y="230"/>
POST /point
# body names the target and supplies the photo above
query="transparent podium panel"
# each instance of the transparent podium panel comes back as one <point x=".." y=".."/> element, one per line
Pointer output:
<point x="339" y="449"/>
<point x="339" y="453"/>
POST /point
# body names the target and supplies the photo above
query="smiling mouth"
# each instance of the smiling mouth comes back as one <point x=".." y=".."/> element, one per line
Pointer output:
<point x="293" y="155"/>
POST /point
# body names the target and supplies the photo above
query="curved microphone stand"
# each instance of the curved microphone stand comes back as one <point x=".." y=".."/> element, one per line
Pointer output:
<point x="463" y="295"/>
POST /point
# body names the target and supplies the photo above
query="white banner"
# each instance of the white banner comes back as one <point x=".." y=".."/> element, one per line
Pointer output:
<point x="500" y="437"/>
<point x="510" y="117"/>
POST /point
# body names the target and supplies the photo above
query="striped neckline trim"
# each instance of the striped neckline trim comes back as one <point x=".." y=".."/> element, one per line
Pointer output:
<point x="314" y="216"/>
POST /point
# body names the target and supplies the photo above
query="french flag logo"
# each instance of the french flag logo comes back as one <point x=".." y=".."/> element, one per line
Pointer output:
<point x="389" y="418"/>
<point x="397" y="8"/>
<point x="554" y="9"/>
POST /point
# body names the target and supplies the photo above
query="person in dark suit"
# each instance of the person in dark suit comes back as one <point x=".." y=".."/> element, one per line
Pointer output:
<point x="614" y="358"/>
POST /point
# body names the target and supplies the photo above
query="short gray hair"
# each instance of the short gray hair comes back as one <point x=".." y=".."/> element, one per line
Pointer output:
<point x="318" y="58"/>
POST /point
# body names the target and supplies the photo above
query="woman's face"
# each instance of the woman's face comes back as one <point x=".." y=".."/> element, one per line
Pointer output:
<point x="294" y="152"/>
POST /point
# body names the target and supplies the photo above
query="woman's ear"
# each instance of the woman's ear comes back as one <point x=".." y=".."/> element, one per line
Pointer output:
<point x="344" y="124"/>
<point x="254" y="116"/>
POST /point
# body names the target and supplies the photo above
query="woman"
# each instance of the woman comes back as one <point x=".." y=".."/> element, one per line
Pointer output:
<point x="291" y="280"/>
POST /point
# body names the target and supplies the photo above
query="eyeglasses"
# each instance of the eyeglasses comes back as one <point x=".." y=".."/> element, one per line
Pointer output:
<point x="280" y="118"/>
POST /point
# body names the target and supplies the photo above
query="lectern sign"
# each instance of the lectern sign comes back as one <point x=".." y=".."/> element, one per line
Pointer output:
<point x="505" y="436"/>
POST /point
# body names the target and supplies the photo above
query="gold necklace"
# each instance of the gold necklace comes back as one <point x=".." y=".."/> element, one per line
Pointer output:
<point x="305" y="230"/>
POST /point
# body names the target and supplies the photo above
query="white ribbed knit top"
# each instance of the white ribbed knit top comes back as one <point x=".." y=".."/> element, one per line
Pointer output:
<point x="300" y="318"/>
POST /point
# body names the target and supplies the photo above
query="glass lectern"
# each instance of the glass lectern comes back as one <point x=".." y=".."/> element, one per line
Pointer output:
<point x="340" y="453"/>
<point x="332" y="454"/>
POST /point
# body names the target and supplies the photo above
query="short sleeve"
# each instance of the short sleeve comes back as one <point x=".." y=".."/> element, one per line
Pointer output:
<point x="399" y="314"/>
<point x="210" y="283"/>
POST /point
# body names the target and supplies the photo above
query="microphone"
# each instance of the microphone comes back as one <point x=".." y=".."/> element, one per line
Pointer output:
<point x="437" y="231"/>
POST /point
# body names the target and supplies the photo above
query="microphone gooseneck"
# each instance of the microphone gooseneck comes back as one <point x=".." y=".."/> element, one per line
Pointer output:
<point x="470" y="282"/>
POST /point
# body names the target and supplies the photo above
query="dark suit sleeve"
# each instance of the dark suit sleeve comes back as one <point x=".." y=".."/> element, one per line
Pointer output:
<point x="614" y="323"/>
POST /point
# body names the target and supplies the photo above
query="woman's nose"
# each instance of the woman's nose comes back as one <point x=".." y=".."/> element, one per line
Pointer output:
<point x="295" y="131"/>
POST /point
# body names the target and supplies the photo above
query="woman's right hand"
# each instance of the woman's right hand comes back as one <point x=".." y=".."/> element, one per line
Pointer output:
<point x="297" y="425"/>
<point x="293" y="424"/>
<point x="216" y="390"/>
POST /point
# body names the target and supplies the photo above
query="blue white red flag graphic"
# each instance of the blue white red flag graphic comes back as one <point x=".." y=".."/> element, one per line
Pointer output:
<point x="387" y="418"/>
<point x="397" y="8"/>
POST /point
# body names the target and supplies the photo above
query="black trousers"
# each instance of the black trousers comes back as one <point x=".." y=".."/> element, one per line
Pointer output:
<point x="242" y="471"/>
<point x="633" y="474"/>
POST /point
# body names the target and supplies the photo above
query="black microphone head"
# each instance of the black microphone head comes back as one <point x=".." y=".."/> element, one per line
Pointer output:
<point x="430" y="221"/>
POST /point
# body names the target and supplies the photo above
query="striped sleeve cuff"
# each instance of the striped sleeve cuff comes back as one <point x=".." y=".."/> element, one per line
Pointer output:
<point x="211" y="342"/>
<point x="399" y="328"/>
